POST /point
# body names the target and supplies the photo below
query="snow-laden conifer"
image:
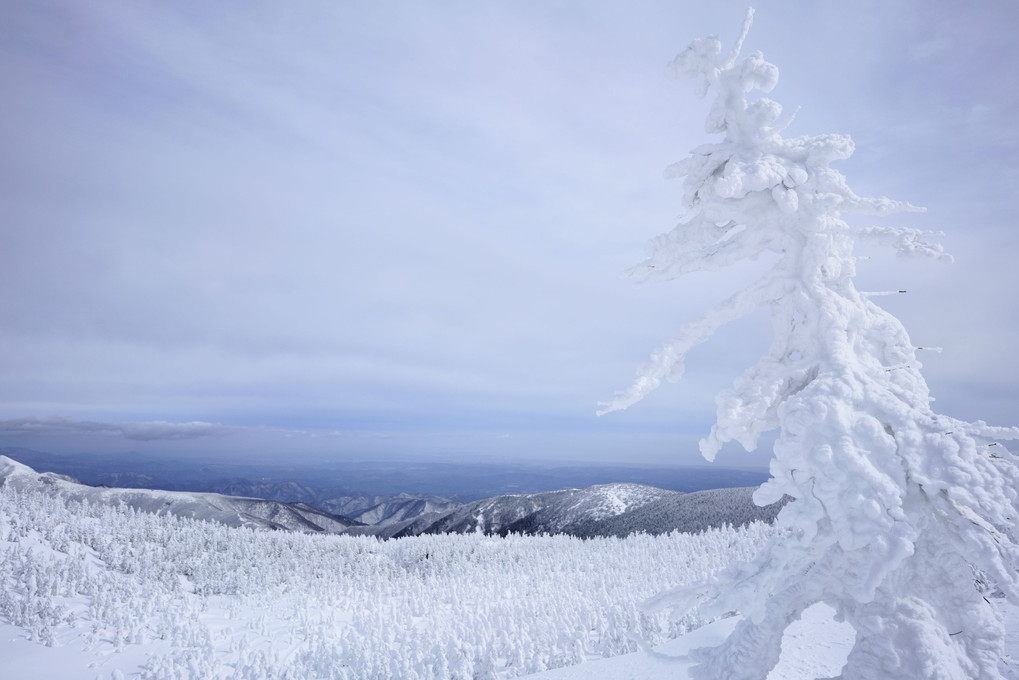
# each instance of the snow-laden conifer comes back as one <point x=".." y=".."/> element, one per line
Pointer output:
<point x="899" y="512"/>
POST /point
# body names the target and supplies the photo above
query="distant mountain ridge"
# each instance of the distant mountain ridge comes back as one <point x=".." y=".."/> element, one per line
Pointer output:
<point x="600" y="510"/>
<point x="402" y="507"/>
<point x="346" y="487"/>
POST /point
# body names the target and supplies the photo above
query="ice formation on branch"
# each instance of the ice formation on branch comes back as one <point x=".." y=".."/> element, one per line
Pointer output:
<point x="898" y="512"/>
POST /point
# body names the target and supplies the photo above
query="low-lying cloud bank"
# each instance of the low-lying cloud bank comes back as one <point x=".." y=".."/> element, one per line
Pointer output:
<point x="156" y="430"/>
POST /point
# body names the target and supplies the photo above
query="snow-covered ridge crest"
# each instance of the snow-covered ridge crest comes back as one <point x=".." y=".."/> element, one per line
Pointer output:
<point x="895" y="507"/>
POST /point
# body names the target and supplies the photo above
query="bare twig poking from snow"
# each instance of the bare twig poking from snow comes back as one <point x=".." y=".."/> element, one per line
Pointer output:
<point x="896" y="507"/>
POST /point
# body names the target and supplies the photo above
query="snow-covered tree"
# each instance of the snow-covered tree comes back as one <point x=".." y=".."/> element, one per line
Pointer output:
<point x="898" y="513"/>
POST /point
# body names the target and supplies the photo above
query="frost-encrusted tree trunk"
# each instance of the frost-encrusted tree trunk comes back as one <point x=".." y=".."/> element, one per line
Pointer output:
<point x="897" y="511"/>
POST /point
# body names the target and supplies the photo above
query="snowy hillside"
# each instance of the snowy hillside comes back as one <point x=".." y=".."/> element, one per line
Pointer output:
<point x="688" y="512"/>
<point x="400" y="508"/>
<point x="228" y="510"/>
<point x="602" y="510"/>
<point x="553" y="512"/>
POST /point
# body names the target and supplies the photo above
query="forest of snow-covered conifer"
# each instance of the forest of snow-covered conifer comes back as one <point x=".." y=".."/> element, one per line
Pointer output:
<point x="155" y="596"/>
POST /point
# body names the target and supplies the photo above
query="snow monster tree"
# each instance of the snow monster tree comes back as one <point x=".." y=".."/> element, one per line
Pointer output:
<point x="901" y="518"/>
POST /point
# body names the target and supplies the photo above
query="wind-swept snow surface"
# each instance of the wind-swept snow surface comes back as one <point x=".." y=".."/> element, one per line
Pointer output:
<point x="900" y="515"/>
<point x="813" y="647"/>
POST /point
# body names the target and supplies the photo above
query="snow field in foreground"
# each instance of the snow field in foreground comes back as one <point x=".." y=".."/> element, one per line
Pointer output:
<point x="97" y="591"/>
<point x="814" y="647"/>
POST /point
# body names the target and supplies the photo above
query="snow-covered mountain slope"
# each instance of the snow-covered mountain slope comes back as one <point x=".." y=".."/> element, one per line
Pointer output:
<point x="402" y="507"/>
<point x="602" y="510"/>
<point x="231" y="511"/>
<point x="687" y="512"/>
<point x="554" y="512"/>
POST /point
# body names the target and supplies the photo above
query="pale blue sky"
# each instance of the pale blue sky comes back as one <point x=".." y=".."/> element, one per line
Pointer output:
<point x="397" y="228"/>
